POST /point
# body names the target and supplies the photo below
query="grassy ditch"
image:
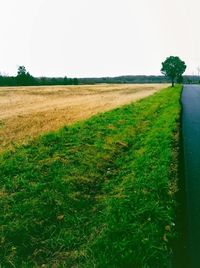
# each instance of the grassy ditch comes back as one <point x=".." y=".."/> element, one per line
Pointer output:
<point x="100" y="193"/>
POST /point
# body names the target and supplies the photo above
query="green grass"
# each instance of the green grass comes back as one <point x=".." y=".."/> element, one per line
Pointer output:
<point x="97" y="194"/>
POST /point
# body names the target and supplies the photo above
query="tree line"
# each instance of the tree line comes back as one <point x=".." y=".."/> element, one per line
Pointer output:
<point x="129" y="79"/>
<point x="24" y="78"/>
<point x="139" y="79"/>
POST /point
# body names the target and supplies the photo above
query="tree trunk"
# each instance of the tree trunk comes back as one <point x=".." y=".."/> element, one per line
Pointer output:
<point x="172" y="82"/>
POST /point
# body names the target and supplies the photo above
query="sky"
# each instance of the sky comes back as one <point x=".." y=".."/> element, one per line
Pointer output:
<point x="94" y="38"/>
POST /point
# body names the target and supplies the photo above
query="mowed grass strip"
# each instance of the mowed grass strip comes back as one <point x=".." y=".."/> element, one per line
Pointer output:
<point x="97" y="194"/>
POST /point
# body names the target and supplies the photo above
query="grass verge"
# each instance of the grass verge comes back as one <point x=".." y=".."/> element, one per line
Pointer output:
<point x="100" y="193"/>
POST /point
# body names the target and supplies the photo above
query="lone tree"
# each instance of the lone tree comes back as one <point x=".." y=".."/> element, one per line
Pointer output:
<point x="173" y="68"/>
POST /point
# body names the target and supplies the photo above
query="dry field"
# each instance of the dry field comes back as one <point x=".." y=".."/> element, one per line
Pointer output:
<point x="26" y="112"/>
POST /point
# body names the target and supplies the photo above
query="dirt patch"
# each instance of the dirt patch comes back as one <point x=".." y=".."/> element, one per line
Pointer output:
<point x="26" y="112"/>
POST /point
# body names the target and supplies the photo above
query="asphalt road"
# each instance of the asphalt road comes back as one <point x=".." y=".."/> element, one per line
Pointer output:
<point x="191" y="144"/>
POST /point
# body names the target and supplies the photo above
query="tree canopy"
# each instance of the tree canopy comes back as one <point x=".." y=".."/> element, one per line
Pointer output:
<point x="173" y="67"/>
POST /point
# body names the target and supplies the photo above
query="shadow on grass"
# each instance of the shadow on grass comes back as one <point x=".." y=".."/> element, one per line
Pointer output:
<point x="181" y="255"/>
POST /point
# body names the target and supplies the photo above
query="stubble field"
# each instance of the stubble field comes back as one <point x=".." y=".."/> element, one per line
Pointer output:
<point x="26" y="112"/>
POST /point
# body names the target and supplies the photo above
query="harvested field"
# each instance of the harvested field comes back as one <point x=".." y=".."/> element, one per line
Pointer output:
<point x="26" y="112"/>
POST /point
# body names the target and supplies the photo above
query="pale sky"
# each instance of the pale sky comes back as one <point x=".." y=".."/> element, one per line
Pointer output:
<point x="92" y="38"/>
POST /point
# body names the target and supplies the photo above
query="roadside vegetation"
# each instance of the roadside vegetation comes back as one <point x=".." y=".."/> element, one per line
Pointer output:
<point x="100" y="193"/>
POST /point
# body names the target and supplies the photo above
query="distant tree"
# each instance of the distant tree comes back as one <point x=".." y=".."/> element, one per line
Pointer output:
<point x="42" y="81"/>
<point x="70" y="81"/>
<point x="21" y="70"/>
<point x="76" y="81"/>
<point x="65" y="80"/>
<point x="173" y="68"/>
<point x="21" y="76"/>
<point x="54" y="81"/>
<point x="24" y="78"/>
